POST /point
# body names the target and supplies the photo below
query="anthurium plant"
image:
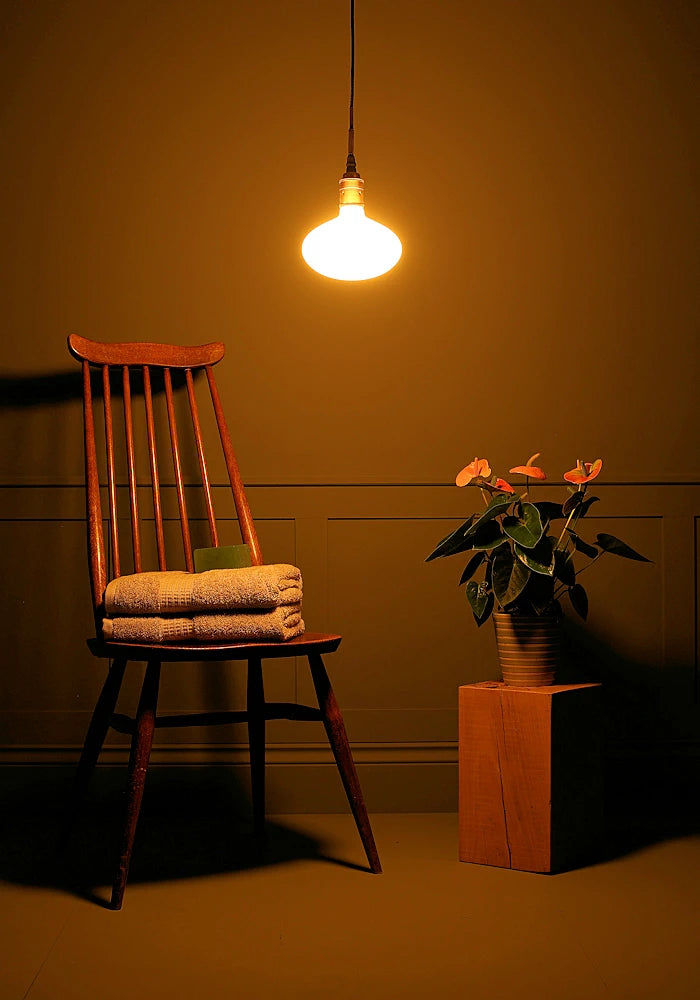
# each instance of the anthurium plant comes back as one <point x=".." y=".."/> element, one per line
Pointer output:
<point x="524" y="554"/>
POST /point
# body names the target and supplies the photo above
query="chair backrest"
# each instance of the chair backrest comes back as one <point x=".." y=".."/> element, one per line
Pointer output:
<point x="153" y="364"/>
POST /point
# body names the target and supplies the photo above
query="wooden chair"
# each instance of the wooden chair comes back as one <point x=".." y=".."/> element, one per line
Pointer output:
<point x="152" y="361"/>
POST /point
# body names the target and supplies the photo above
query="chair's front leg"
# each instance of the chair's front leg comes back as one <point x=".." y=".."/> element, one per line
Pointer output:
<point x="141" y="744"/>
<point x="256" y="741"/>
<point x="337" y="737"/>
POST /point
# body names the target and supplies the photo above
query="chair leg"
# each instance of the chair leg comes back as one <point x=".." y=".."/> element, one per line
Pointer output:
<point x="256" y="741"/>
<point x="337" y="737"/>
<point x="97" y="731"/>
<point x="141" y="744"/>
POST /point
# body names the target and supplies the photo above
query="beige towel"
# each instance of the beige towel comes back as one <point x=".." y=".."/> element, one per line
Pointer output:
<point x="275" y="625"/>
<point x="174" y="591"/>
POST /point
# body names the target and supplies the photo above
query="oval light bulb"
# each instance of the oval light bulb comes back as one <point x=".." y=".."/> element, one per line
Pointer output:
<point x="351" y="247"/>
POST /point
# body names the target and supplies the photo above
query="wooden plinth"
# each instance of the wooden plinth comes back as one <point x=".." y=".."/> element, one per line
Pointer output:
<point x="529" y="775"/>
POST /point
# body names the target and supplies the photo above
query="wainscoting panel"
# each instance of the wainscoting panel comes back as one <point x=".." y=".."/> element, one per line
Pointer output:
<point x="408" y="637"/>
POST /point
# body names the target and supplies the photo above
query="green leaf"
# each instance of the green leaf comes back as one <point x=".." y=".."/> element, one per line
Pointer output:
<point x="525" y="530"/>
<point x="579" y="600"/>
<point x="454" y="542"/>
<point x="581" y="546"/>
<point x="531" y="517"/>
<point x="488" y="573"/>
<point x="476" y="597"/>
<point x="487" y="610"/>
<point x="586" y="505"/>
<point x="564" y="569"/>
<point x="549" y="511"/>
<point x="480" y="602"/>
<point x="489" y="536"/>
<point x="471" y="567"/>
<point x="539" y="559"/>
<point x="509" y="576"/>
<point x="497" y="506"/>
<point x="618" y="548"/>
<point x="572" y="502"/>
<point x="539" y="592"/>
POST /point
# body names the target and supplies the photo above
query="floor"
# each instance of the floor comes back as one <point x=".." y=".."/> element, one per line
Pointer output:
<point x="205" y="916"/>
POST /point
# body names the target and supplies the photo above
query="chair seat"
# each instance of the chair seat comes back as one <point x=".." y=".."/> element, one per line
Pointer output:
<point x="302" y="645"/>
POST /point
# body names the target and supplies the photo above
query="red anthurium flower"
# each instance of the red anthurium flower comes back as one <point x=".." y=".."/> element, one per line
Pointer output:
<point x="503" y="486"/>
<point x="584" y="471"/>
<point x="479" y="467"/>
<point x="529" y="469"/>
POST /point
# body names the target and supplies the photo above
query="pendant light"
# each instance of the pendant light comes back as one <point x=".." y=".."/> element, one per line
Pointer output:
<point x="351" y="247"/>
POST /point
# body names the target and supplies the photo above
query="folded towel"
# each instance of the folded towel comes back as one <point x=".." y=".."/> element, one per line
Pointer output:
<point x="214" y="590"/>
<point x="275" y="625"/>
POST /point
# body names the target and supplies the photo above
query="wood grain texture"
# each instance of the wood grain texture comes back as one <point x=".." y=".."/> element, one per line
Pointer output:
<point x="153" y="461"/>
<point x="529" y="780"/>
<point x="97" y="731"/>
<point x="96" y="543"/>
<point x="245" y="518"/>
<point x="177" y="468"/>
<point x="141" y="744"/>
<point x="338" y="740"/>
<point x="256" y="715"/>
<point x="201" y="458"/>
<point x="319" y="642"/>
<point x="111" y="477"/>
<point x="525" y="754"/>
<point x="163" y="355"/>
<point x="131" y="464"/>
<point x="483" y="832"/>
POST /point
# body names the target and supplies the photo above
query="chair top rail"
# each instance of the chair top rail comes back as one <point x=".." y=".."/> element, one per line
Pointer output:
<point x="161" y="355"/>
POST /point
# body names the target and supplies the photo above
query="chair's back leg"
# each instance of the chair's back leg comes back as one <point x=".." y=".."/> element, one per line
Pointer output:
<point x="337" y="737"/>
<point x="97" y="731"/>
<point x="141" y="744"/>
<point x="256" y="741"/>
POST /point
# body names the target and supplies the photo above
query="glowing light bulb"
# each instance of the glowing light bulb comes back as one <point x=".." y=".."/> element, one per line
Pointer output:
<point x="351" y="247"/>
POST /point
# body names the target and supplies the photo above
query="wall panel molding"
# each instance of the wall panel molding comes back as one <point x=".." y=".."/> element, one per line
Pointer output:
<point x="408" y="640"/>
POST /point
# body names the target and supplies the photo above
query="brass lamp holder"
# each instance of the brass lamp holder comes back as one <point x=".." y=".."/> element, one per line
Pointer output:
<point x="351" y="184"/>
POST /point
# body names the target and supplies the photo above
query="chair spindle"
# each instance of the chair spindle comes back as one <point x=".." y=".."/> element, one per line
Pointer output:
<point x="111" y="482"/>
<point x="177" y="466"/>
<point x="131" y="463"/>
<point x="155" y="481"/>
<point x="245" y="518"/>
<point x="200" y="455"/>
<point x="96" y="546"/>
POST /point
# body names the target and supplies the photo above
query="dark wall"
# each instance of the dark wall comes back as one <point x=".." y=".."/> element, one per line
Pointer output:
<point x="163" y="162"/>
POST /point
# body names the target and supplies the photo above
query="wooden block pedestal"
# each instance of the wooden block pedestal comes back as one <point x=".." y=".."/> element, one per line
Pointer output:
<point x="530" y="793"/>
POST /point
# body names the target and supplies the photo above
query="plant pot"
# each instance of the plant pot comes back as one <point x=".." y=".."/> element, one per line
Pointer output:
<point x="528" y="648"/>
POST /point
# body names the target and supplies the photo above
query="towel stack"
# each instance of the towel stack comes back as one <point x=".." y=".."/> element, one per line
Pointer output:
<point x="250" y="604"/>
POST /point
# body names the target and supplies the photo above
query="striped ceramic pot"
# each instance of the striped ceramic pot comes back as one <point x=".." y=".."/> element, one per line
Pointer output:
<point x="528" y="648"/>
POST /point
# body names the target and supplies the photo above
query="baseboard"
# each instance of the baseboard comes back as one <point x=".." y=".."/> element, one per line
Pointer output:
<point x="410" y="786"/>
<point x="302" y="778"/>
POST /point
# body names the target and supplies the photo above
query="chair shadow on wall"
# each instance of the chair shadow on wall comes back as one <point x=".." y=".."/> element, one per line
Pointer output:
<point x="195" y="819"/>
<point x="649" y="786"/>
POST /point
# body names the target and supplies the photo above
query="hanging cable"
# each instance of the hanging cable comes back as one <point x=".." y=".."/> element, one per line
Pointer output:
<point x="351" y="165"/>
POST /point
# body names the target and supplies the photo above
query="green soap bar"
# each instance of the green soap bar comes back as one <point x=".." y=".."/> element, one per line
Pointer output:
<point x="222" y="557"/>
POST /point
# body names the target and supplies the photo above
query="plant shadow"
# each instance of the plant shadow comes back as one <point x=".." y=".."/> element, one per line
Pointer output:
<point x="650" y="759"/>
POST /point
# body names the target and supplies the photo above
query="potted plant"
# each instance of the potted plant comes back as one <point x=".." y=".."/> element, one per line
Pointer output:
<point x="525" y="556"/>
